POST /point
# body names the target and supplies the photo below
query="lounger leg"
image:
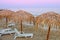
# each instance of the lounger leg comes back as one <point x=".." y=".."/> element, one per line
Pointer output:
<point x="0" y="35"/>
<point x="31" y="36"/>
<point x="15" y="37"/>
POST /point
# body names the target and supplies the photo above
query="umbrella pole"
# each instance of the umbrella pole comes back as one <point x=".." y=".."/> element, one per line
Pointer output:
<point x="34" y="21"/>
<point x="48" y="33"/>
<point x="36" y="27"/>
<point x="21" y="28"/>
<point x="30" y="20"/>
<point x="6" y="22"/>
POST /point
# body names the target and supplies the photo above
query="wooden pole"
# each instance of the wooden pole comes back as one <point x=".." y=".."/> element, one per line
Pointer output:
<point x="21" y="28"/>
<point x="30" y="20"/>
<point x="36" y="27"/>
<point x="6" y="22"/>
<point x="48" y="33"/>
<point x="34" y="21"/>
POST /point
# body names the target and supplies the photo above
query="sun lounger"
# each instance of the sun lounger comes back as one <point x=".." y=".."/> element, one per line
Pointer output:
<point x="18" y="34"/>
<point x="6" y="31"/>
<point x="23" y="35"/>
<point x="11" y="24"/>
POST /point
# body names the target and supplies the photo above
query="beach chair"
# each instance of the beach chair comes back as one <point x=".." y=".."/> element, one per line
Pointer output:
<point x="9" y="31"/>
<point x="11" y="24"/>
<point x="18" y="34"/>
<point x="6" y="31"/>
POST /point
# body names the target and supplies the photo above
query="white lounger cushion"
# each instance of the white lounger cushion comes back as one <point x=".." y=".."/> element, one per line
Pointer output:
<point x="6" y="31"/>
<point x="23" y="35"/>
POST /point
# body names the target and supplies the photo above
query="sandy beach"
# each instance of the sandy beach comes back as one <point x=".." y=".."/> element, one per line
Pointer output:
<point x="39" y="35"/>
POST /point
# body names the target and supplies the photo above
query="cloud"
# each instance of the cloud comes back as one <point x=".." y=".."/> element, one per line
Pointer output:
<point x="28" y="2"/>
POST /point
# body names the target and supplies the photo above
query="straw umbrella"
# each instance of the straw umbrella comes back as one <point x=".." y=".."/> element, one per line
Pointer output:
<point x="51" y="19"/>
<point x="6" y="14"/>
<point x="49" y="15"/>
<point x="50" y="23"/>
<point x="25" y="17"/>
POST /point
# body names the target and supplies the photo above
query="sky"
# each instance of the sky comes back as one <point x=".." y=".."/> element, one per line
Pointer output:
<point x="39" y="11"/>
<point x="34" y="6"/>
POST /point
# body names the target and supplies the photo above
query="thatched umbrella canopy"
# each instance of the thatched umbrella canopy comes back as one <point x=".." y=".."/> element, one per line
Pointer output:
<point x="49" y="15"/>
<point x="6" y="14"/>
<point x="27" y="17"/>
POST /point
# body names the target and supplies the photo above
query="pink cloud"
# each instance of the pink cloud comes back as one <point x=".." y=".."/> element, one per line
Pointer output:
<point x="29" y="2"/>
